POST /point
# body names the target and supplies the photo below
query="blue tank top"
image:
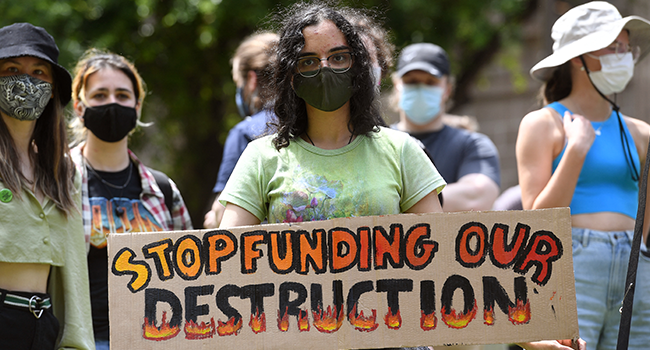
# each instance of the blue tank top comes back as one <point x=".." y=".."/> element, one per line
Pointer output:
<point x="605" y="182"/>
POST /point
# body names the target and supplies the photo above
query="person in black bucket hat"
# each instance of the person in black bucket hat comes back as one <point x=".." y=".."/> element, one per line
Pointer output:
<point x="44" y="291"/>
<point x="24" y="39"/>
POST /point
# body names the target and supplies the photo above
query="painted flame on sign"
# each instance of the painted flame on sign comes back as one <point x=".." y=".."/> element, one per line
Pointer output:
<point x="428" y="321"/>
<point x="283" y="320"/>
<point x="488" y="316"/>
<point x="199" y="331"/>
<point x="258" y="322"/>
<point x="458" y="321"/>
<point x="303" y="321"/>
<point x="519" y="314"/>
<point x="229" y="328"/>
<point x="362" y="323"/>
<point x="393" y="321"/>
<point x="328" y="322"/>
<point x="164" y="332"/>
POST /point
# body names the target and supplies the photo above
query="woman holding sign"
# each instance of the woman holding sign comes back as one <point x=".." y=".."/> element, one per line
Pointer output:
<point x="580" y="152"/>
<point x="125" y="195"/>
<point x="331" y="156"/>
<point x="44" y="302"/>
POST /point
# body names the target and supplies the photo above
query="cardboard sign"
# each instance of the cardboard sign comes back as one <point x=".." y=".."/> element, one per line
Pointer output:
<point x="370" y="282"/>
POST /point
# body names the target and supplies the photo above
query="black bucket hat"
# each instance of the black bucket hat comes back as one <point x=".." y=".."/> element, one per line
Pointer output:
<point x="24" y="39"/>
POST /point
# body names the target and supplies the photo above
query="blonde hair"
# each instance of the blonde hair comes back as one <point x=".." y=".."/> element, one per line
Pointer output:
<point x="92" y="61"/>
<point x="255" y="54"/>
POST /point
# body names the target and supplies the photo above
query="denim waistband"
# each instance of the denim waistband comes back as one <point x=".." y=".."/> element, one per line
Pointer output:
<point x="584" y="235"/>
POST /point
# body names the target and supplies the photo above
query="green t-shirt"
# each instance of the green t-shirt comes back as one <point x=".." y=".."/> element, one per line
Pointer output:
<point x="376" y="174"/>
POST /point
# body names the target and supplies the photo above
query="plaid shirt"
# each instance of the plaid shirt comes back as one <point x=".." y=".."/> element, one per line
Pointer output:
<point x="151" y="196"/>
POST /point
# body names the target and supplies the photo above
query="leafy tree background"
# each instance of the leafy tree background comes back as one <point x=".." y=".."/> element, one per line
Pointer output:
<point x="182" y="48"/>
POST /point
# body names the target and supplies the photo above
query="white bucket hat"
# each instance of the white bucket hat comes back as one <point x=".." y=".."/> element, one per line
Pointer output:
<point x="590" y="27"/>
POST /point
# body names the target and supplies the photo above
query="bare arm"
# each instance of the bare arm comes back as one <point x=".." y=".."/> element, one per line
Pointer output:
<point x="541" y="138"/>
<point x="213" y="217"/>
<point x="470" y="192"/>
<point x="640" y="132"/>
<point x="555" y="345"/>
<point x="235" y="215"/>
<point x="428" y="204"/>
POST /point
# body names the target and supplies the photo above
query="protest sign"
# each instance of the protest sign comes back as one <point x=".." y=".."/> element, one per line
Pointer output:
<point x="368" y="282"/>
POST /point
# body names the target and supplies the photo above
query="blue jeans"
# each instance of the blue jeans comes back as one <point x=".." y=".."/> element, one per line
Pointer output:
<point x="101" y="344"/>
<point x="600" y="262"/>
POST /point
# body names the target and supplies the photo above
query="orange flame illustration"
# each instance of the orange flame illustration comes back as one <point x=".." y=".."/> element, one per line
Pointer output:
<point x="258" y="322"/>
<point x="283" y="321"/>
<point x="428" y="322"/>
<point x="362" y="323"/>
<point x="151" y="332"/>
<point x="303" y="321"/>
<point x="202" y="331"/>
<point x="229" y="328"/>
<point x="488" y="316"/>
<point x="329" y="322"/>
<point x="519" y="314"/>
<point x="458" y="321"/>
<point x="393" y="321"/>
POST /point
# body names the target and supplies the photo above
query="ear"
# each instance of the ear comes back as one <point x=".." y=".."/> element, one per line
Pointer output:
<point x="138" y="108"/>
<point x="576" y="62"/>
<point x="79" y="108"/>
<point x="397" y="82"/>
<point x="251" y="81"/>
<point x="449" y="87"/>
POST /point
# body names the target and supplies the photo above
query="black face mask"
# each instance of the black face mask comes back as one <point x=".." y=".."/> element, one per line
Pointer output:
<point x="111" y="122"/>
<point x="327" y="91"/>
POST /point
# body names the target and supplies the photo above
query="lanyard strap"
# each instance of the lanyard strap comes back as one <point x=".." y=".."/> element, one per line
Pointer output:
<point x="630" y="282"/>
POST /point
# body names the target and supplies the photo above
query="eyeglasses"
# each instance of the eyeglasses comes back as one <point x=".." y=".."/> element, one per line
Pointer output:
<point x="310" y="66"/>
<point x="620" y="49"/>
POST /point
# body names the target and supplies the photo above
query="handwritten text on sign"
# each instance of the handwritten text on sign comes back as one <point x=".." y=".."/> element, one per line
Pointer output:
<point x="263" y="276"/>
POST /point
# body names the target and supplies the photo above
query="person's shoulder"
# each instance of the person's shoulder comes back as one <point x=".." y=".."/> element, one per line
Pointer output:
<point x="76" y="155"/>
<point x="639" y="129"/>
<point x="641" y="124"/>
<point x="544" y="117"/>
<point x="390" y="133"/>
<point x="395" y="139"/>
<point x="255" y="125"/>
<point x="263" y="142"/>
<point x="249" y="122"/>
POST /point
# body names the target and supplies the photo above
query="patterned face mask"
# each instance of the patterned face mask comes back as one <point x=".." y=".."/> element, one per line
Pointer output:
<point x="24" y="97"/>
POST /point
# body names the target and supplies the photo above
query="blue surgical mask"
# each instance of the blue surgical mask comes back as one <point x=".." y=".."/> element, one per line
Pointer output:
<point x="242" y="106"/>
<point x="421" y="103"/>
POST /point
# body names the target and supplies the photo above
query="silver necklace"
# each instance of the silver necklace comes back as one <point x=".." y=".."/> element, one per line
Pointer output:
<point x="119" y="187"/>
<point x="597" y="131"/>
<point x="118" y="210"/>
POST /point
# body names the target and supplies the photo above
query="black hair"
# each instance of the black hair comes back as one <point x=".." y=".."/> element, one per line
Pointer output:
<point x="558" y="86"/>
<point x="290" y="109"/>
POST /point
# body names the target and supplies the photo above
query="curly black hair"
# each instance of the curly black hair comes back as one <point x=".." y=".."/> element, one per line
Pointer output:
<point x="290" y="109"/>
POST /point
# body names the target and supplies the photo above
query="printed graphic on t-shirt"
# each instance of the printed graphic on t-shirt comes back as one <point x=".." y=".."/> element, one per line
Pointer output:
<point x="314" y="197"/>
<point x="119" y="215"/>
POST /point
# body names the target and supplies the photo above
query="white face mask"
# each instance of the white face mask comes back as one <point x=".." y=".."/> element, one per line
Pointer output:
<point x="614" y="74"/>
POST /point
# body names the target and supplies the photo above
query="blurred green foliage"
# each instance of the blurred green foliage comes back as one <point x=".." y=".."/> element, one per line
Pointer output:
<point x="182" y="49"/>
